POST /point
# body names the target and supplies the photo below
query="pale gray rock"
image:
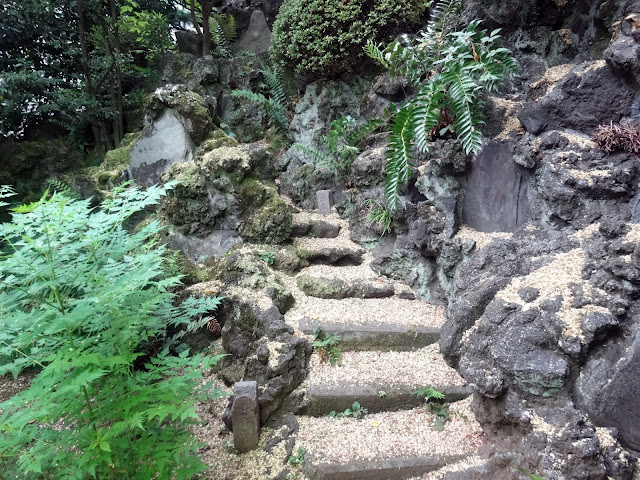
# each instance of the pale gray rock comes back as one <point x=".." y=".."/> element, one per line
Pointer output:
<point x="164" y="142"/>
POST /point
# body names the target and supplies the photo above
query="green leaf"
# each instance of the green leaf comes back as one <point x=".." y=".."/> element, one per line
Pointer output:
<point x="104" y="446"/>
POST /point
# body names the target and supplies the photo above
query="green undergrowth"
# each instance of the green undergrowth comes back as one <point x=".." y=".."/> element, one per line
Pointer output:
<point x="89" y="305"/>
<point x="327" y="346"/>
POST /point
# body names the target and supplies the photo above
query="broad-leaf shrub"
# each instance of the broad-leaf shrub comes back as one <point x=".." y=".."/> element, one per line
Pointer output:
<point x="83" y="300"/>
<point x="451" y="71"/>
<point x="325" y="37"/>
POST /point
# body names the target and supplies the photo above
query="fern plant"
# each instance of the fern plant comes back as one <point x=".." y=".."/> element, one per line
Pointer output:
<point x="342" y="143"/>
<point x="223" y="31"/>
<point x="88" y="305"/>
<point x="273" y="106"/>
<point x="451" y="71"/>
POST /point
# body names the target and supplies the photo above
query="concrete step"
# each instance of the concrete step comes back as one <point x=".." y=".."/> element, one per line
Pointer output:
<point x="384" y="446"/>
<point x="376" y="336"/>
<point x="380" y="381"/>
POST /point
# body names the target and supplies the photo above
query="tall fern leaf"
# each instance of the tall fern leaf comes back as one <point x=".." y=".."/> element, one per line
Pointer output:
<point x="428" y="105"/>
<point x="276" y="112"/>
<point x="463" y="101"/>
<point x="272" y="79"/>
<point x="227" y="23"/>
<point x="399" y="166"/>
<point x="318" y="156"/>
<point x="219" y="38"/>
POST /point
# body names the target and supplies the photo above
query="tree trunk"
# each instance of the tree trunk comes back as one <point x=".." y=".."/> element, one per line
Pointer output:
<point x="117" y="87"/>
<point x="88" y="84"/>
<point x="206" y="33"/>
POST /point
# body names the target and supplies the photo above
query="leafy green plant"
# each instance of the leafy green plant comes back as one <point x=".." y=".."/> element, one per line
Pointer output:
<point x="223" y="31"/>
<point x="433" y="400"/>
<point x="88" y="304"/>
<point x="356" y="411"/>
<point x="382" y="394"/>
<point x="325" y="37"/>
<point x="378" y="215"/>
<point x="267" y="257"/>
<point x="275" y="105"/>
<point x="451" y="71"/>
<point x="327" y="346"/>
<point x="298" y="458"/>
<point x="531" y="475"/>
<point x="342" y="143"/>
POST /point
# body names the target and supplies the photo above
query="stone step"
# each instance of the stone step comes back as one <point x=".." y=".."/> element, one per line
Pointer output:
<point x="314" y="228"/>
<point x="380" y="381"/>
<point x="332" y="255"/>
<point x="389" y="445"/>
<point x="376" y="336"/>
<point x="332" y="287"/>
<point x="330" y="251"/>
<point x="364" y="317"/>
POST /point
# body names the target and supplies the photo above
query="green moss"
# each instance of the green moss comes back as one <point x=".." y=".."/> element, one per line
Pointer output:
<point x="99" y="181"/>
<point x="233" y="162"/>
<point x="217" y="139"/>
<point x="267" y="218"/>
<point x="326" y="37"/>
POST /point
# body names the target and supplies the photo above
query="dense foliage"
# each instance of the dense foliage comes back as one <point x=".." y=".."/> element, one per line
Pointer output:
<point x="88" y="305"/>
<point x="451" y="71"/>
<point x="77" y="63"/>
<point x="325" y="37"/>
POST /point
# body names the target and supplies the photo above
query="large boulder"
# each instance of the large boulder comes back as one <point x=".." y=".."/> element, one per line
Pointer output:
<point x="589" y="95"/>
<point x="543" y="323"/>
<point x="224" y="195"/>
<point x="261" y="346"/>
<point x="623" y="54"/>
<point x="176" y="121"/>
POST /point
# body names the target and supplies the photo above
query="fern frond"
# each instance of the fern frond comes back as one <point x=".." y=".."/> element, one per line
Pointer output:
<point x="318" y="156"/>
<point x="273" y="81"/>
<point x="465" y="105"/>
<point x="443" y="16"/>
<point x="219" y="38"/>
<point x="358" y="134"/>
<point x="399" y="165"/>
<point x="376" y="52"/>
<point x="276" y="112"/>
<point x="428" y="106"/>
<point x="227" y="23"/>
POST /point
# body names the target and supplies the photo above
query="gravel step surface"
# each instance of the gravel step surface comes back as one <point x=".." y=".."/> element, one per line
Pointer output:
<point x="368" y="311"/>
<point x="375" y="336"/>
<point x="387" y="445"/>
<point x="381" y="381"/>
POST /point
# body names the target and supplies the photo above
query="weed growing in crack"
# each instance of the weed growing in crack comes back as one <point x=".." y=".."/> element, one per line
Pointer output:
<point x="433" y="400"/>
<point x="356" y="411"/>
<point x="327" y="346"/>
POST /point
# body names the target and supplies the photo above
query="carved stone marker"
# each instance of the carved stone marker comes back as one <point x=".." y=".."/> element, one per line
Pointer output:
<point x="324" y="201"/>
<point x="245" y="416"/>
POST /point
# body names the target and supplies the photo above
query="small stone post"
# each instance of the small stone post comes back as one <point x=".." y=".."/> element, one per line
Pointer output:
<point x="324" y="201"/>
<point x="245" y="416"/>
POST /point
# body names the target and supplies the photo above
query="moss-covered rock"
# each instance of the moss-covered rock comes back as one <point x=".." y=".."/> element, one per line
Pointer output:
<point x="189" y="105"/>
<point x="99" y="181"/>
<point x="188" y="206"/>
<point x="231" y="162"/>
<point x="217" y="139"/>
<point x="267" y="218"/>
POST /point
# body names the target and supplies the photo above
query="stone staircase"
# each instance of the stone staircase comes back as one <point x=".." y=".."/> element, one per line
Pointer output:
<point x="389" y="349"/>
